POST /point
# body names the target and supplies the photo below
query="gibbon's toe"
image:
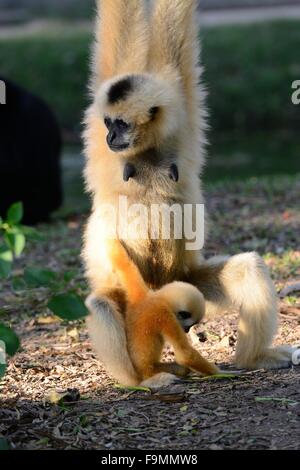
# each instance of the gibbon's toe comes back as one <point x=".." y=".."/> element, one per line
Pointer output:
<point x="160" y="381"/>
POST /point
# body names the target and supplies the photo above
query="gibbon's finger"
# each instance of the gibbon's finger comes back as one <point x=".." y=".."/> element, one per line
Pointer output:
<point x="174" y="173"/>
<point x="129" y="172"/>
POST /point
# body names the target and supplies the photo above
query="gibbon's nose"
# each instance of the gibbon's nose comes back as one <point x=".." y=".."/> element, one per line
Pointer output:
<point x="111" y="138"/>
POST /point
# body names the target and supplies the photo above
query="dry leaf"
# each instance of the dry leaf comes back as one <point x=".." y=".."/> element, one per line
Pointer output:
<point x="67" y="397"/>
<point x="50" y="320"/>
<point x="74" y="334"/>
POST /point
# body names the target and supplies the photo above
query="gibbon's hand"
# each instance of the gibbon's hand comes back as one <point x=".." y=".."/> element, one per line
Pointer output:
<point x="173" y="173"/>
<point x="130" y="172"/>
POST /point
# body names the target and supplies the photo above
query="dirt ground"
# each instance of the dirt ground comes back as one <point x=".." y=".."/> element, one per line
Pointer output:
<point x="257" y="410"/>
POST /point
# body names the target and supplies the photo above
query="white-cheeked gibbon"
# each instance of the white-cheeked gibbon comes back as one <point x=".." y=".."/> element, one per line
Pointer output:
<point x="149" y="111"/>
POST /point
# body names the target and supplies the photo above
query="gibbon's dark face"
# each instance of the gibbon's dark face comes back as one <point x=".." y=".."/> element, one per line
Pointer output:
<point x="130" y="114"/>
<point x="123" y="135"/>
<point x="118" y="137"/>
<point x="186" y="320"/>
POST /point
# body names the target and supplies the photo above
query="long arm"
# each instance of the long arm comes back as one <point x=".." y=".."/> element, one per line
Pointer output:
<point x="121" y="39"/>
<point x="185" y="354"/>
<point x="175" y="41"/>
<point x="129" y="275"/>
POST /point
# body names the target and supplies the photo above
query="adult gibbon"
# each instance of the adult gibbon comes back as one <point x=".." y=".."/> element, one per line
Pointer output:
<point x="155" y="317"/>
<point x="149" y="109"/>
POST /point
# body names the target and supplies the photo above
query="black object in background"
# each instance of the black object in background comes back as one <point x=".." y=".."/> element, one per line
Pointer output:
<point x="30" y="150"/>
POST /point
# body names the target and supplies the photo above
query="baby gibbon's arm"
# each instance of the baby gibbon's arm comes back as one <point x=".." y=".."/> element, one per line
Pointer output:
<point x="127" y="271"/>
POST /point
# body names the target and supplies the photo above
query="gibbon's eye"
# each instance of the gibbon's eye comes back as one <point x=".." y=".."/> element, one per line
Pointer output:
<point x="108" y="122"/>
<point x="122" y="124"/>
<point x="184" y="315"/>
<point x="153" y="112"/>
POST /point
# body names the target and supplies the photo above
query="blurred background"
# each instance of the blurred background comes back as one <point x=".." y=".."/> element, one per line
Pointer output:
<point x="251" y="58"/>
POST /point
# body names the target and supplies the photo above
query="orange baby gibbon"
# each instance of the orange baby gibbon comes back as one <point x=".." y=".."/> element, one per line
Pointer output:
<point x="154" y="318"/>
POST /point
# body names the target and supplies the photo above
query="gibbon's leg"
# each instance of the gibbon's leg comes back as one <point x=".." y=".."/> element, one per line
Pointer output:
<point x="107" y="332"/>
<point x="184" y="353"/>
<point x="146" y="352"/>
<point x="243" y="282"/>
<point x="173" y="368"/>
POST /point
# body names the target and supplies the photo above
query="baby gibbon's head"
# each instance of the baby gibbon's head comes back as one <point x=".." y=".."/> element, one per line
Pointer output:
<point x="186" y="301"/>
<point x="140" y="112"/>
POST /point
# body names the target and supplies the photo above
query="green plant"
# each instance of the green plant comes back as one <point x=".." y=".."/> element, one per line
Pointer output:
<point x="13" y="239"/>
<point x="64" y="300"/>
<point x="12" y="244"/>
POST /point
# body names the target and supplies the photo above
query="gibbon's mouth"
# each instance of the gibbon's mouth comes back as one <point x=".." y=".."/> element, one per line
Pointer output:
<point x="187" y="328"/>
<point x="118" y="148"/>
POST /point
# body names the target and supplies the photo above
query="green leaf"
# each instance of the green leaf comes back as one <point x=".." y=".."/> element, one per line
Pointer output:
<point x="132" y="389"/>
<point x="216" y="377"/>
<point x="69" y="307"/>
<point x="69" y="275"/>
<point x="274" y="399"/>
<point x="11" y="340"/>
<point x="4" y="444"/>
<point x="6" y="260"/>
<point x="16" y="242"/>
<point x="35" y="277"/>
<point x="15" y="213"/>
<point x="31" y="233"/>
<point x="18" y="284"/>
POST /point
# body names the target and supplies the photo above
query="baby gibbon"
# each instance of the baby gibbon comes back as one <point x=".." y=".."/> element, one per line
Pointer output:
<point x="149" y="111"/>
<point x="152" y="318"/>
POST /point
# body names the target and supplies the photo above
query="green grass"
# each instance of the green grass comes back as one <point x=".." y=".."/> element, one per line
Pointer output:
<point x="54" y="66"/>
<point x="249" y="72"/>
<point x="241" y="155"/>
<point x="77" y="9"/>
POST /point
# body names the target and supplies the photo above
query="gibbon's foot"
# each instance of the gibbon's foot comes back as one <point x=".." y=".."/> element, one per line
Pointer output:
<point x="275" y="358"/>
<point x="107" y="332"/>
<point x="160" y="381"/>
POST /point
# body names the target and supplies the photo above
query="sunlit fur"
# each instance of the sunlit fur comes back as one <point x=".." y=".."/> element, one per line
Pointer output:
<point x="159" y="53"/>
